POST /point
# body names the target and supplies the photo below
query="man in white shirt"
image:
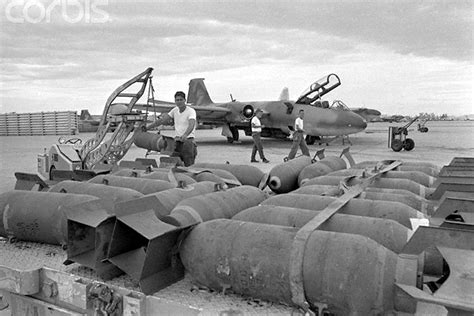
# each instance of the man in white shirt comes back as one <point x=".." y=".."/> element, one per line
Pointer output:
<point x="298" y="137"/>
<point x="184" y="125"/>
<point x="257" y="143"/>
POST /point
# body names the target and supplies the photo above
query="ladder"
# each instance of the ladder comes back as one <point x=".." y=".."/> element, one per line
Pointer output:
<point x="96" y="150"/>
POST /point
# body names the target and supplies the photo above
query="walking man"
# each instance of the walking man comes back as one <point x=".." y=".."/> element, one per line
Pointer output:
<point x="298" y="137"/>
<point x="184" y="126"/>
<point x="257" y="142"/>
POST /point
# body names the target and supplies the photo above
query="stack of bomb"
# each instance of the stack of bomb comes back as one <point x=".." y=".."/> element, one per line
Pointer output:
<point x="45" y="216"/>
<point x="351" y="261"/>
<point x="291" y="174"/>
<point x="147" y="229"/>
<point x="26" y="215"/>
<point x="405" y="184"/>
<point x="183" y="175"/>
<point x="410" y="183"/>
<point x="243" y="240"/>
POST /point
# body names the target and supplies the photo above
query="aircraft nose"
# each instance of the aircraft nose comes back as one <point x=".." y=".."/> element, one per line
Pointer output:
<point x="356" y="122"/>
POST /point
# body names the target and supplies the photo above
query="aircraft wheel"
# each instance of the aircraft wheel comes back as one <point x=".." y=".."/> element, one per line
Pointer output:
<point x="310" y="140"/>
<point x="409" y="144"/>
<point x="50" y="172"/>
<point x="285" y="159"/>
<point x="397" y="145"/>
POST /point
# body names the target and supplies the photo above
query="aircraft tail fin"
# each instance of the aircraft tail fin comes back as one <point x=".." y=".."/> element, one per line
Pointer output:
<point x="85" y="115"/>
<point x="197" y="93"/>
<point x="284" y="95"/>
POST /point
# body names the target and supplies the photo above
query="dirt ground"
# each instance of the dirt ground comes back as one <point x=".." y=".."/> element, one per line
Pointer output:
<point x="444" y="141"/>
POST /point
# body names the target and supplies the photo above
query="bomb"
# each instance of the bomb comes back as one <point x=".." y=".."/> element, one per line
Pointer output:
<point x="145" y="186"/>
<point x="221" y="204"/>
<point x="395" y="195"/>
<point x="403" y="184"/>
<point x="37" y="216"/>
<point x="380" y="209"/>
<point x="416" y="176"/>
<point x="247" y="175"/>
<point x="283" y="178"/>
<point x="352" y="274"/>
<point x="388" y="233"/>
<point x="109" y="194"/>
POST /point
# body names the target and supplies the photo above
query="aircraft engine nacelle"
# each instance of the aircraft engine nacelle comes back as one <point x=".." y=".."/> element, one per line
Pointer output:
<point x="248" y="111"/>
<point x="240" y="112"/>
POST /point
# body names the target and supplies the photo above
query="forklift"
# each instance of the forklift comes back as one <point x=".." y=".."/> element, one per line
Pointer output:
<point x="397" y="137"/>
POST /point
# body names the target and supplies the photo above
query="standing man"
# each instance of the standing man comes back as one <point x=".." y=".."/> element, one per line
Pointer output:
<point x="184" y="126"/>
<point x="257" y="143"/>
<point x="298" y="137"/>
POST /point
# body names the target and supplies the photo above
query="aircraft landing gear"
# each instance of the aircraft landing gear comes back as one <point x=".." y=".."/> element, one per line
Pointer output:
<point x="235" y="135"/>
<point x="397" y="145"/>
<point x="310" y="140"/>
<point x="409" y="144"/>
<point x="397" y="137"/>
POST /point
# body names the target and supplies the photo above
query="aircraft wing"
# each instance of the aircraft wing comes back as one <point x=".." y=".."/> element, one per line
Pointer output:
<point x="203" y="112"/>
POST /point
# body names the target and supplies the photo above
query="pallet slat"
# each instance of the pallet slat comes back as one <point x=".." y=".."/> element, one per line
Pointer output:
<point x="39" y="123"/>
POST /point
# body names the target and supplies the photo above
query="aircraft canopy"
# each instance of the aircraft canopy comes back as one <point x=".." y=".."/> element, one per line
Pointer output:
<point x="319" y="88"/>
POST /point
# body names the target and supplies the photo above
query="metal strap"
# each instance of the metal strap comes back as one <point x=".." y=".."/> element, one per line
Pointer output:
<point x="302" y="236"/>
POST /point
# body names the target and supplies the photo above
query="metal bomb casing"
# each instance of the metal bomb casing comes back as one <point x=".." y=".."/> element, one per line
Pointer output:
<point x="169" y="176"/>
<point x="109" y="194"/>
<point x="387" y="183"/>
<point x="395" y="195"/>
<point x="283" y="178"/>
<point x="388" y="233"/>
<point x="37" y="216"/>
<point x="163" y="202"/>
<point x="425" y="167"/>
<point x="145" y="186"/>
<point x="155" y="174"/>
<point x="382" y="209"/>
<point x="417" y="176"/>
<point x="152" y="141"/>
<point x="351" y="274"/>
<point x="221" y="204"/>
<point x="319" y="168"/>
<point x="247" y="175"/>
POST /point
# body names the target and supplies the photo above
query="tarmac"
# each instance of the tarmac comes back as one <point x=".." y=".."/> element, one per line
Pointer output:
<point x="443" y="141"/>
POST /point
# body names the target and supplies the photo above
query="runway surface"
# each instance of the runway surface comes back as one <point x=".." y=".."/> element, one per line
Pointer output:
<point x="445" y="140"/>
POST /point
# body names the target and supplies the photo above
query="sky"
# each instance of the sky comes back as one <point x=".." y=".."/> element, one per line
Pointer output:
<point x="400" y="57"/>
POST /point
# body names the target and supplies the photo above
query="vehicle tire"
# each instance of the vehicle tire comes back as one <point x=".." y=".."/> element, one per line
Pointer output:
<point x="409" y="144"/>
<point x="50" y="171"/>
<point x="397" y="145"/>
<point x="310" y="140"/>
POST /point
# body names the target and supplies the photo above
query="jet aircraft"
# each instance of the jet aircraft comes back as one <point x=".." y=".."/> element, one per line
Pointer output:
<point x="87" y="123"/>
<point x="320" y="119"/>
